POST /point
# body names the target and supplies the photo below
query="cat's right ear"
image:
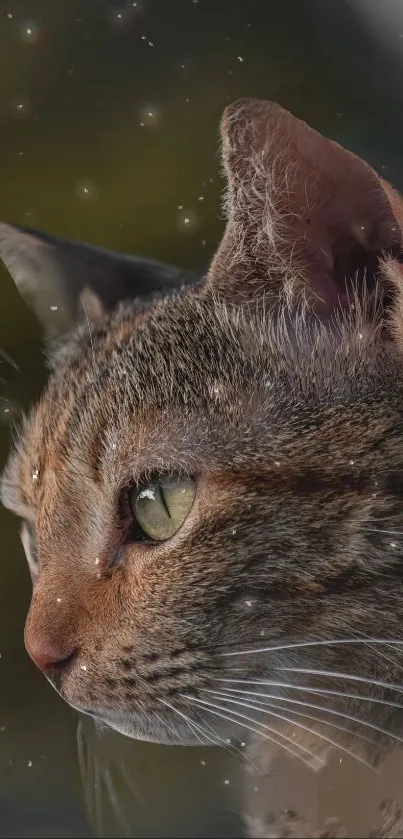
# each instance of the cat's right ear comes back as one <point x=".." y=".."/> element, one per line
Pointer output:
<point x="305" y="217"/>
<point x="63" y="281"/>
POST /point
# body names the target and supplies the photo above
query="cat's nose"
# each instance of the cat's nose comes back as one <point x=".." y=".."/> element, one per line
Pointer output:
<point x="50" y="656"/>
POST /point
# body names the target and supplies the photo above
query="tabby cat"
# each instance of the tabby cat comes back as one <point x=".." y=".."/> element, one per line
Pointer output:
<point x="211" y="485"/>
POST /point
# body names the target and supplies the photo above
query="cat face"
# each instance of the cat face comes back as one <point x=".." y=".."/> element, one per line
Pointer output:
<point x="211" y="483"/>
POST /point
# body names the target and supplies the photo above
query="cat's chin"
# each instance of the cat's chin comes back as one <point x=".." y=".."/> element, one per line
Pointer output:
<point x="140" y="727"/>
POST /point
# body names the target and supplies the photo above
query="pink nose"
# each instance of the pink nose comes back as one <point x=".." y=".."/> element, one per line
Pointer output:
<point x="49" y="655"/>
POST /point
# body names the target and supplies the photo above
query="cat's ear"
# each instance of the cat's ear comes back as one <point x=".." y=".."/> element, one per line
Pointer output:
<point x="302" y="212"/>
<point x="64" y="281"/>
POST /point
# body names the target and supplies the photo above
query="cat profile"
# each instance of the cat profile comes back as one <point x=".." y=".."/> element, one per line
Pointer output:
<point x="211" y="484"/>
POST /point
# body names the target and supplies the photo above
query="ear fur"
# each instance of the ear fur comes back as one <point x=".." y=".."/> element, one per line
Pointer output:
<point x="304" y="215"/>
<point x="52" y="274"/>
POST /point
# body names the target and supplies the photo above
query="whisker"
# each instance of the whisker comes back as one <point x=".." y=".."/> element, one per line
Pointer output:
<point x="298" y="725"/>
<point x="194" y="727"/>
<point x="99" y="823"/>
<point x="334" y="674"/>
<point x="306" y="689"/>
<point x="336" y="713"/>
<point x="6" y="357"/>
<point x="228" y="746"/>
<point x="91" y="338"/>
<point x="208" y="706"/>
<point x="386" y="532"/>
<point x="113" y="797"/>
<point x="302" y="644"/>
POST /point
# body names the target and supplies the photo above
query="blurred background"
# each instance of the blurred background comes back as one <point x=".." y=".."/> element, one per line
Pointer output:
<point x="108" y="134"/>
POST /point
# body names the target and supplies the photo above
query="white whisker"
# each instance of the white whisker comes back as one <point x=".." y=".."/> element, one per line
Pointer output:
<point x="332" y="711"/>
<point x="335" y="675"/>
<point x="194" y="727"/>
<point x="209" y="706"/>
<point x="301" y="644"/>
<point x="113" y="797"/>
<point x="298" y="725"/>
<point x="305" y="689"/>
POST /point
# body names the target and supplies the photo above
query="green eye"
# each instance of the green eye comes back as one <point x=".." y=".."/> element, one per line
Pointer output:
<point x="162" y="507"/>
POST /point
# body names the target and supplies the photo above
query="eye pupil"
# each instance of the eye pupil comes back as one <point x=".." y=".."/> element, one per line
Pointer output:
<point x="161" y="507"/>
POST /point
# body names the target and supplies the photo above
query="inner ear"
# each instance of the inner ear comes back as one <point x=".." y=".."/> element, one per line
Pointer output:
<point x="304" y="214"/>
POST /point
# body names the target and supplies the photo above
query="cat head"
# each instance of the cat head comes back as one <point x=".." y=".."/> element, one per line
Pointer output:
<point x="211" y="484"/>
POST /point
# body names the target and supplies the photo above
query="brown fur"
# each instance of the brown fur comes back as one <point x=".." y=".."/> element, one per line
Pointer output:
<point x="277" y="384"/>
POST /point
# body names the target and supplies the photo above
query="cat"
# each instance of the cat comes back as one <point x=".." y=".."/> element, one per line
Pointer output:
<point x="211" y="484"/>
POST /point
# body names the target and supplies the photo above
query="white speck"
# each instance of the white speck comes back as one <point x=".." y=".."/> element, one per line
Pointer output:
<point x="150" y="115"/>
<point x="119" y="16"/>
<point x="243" y="745"/>
<point x="83" y="667"/>
<point x="86" y="191"/>
<point x="9" y="15"/>
<point x="3" y="728"/>
<point x="249" y="603"/>
<point x="376" y="483"/>
<point x="262" y="633"/>
<point x="226" y="782"/>
<point x="21" y="107"/>
<point x="180" y="206"/>
<point x="203" y="763"/>
<point x="340" y="760"/>
<point x="58" y="599"/>
<point x="54" y="308"/>
<point x="234" y="532"/>
<point x="201" y="198"/>
<point x="255" y="789"/>
<point x="360" y="335"/>
<point x="240" y="59"/>
<point x="151" y="43"/>
<point x="35" y="474"/>
<point x="187" y="220"/>
<point x="362" y="227"/>
<point x="113" y="446"/>
<point x="393" y="544"/>
<point x="351" y="462"/>
<point x="6" y="410"/>
<point x="30" y="31"/>
<point x="96" y="560"/>
<point x="187" y="99"/>
<point x="147" y="493"/>
<point x="144" y="37"/>
<point x="30" y="763"/>
<point x="277" y="464"/>
<point x="203" y="242"/>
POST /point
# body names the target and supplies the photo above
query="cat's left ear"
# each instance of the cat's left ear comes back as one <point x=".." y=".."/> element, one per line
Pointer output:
<point x="303" y="213"/>
<point x="65" y="281"/>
